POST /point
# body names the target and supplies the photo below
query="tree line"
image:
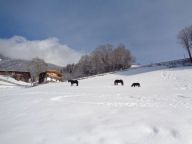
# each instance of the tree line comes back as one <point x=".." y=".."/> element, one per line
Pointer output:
<point x="104" y="58"/>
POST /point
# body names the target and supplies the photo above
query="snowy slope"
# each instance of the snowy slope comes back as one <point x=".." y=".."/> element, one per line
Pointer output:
<point x="6" y="81"/>
<point x="97" y="112"/>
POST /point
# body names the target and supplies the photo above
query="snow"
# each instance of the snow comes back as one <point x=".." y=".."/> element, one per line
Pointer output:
<point x="97" y="112"/>
<point x="6" y="81"/>
<point x="134" y="66"/>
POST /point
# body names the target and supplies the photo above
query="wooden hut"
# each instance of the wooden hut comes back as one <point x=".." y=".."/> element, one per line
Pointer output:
<point x="50" y="76"/>
<point x="18" y="75"/>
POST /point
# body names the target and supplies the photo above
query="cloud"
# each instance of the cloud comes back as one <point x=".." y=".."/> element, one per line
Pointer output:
<point x="50" y="49"/>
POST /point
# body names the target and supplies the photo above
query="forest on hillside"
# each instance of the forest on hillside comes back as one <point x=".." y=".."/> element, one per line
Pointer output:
<point x="104" y="58"/>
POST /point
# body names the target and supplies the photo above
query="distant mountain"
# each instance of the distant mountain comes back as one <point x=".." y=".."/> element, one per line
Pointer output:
<point x="2" y="57"/>
<point x="9" y="64"/>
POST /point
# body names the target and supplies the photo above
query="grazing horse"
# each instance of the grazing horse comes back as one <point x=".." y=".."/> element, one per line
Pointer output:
<point x="118" y="81"/>
<point x="74" y="82"/>
<point x="135" y="84"/>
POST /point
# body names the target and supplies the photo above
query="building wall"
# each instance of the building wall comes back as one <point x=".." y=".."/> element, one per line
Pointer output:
<point x="23" y="76"/>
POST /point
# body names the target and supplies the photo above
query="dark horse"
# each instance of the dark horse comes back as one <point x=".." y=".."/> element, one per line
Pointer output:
<point x="74" y="82"/>
<point x="135" y="84"/>
<point x="118" y="81"/>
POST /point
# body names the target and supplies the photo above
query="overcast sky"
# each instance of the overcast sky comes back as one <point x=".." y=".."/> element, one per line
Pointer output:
<point x="148" y="28"/>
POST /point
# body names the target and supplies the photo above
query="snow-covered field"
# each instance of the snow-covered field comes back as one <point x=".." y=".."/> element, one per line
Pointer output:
<point x="97" y="112"/>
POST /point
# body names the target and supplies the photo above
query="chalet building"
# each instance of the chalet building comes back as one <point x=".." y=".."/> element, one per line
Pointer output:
<point x="18" y="75"/>
<point x="50" y="76"/>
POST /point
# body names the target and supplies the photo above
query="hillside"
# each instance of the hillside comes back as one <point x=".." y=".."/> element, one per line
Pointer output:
<point x="97" y="112"/>
<point x="9" y="64"/>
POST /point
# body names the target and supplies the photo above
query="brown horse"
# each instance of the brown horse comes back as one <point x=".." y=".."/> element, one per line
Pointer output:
<point x="118" y="81"/>
<point x="74" y="82"/>
<point x="135" y="84"/>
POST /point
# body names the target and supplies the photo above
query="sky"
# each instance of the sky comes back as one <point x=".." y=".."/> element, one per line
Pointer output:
<point x="148" y="28"/>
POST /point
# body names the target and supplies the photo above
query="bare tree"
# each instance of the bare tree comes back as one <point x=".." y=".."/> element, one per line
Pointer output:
<point x="85" y="65"/>
<point x="185" y="37"/>
<point x="122" y="57"/>
<point x="37" y="66"/>
<point x="102" y="58"/>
